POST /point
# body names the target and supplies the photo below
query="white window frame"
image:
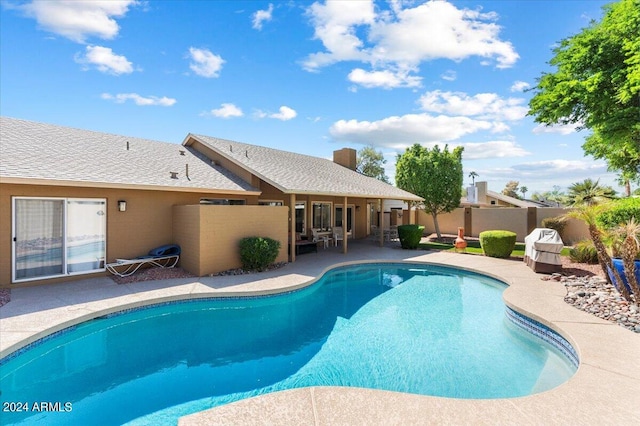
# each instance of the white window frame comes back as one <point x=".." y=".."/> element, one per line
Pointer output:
<point x="353" y="217"/>
<point x="65" y="273"/>
<point x="328" y="225"/>
<point x="304" y="216"/>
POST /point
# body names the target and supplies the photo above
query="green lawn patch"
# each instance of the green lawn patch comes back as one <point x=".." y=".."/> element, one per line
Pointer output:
<point x="474" y="247"/>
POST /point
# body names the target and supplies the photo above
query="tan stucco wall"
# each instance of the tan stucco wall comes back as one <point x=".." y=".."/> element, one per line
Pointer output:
<point x="510" y="219"/>
<point x="146" y="224"/>
<point x="209" y="235"/>
<point x="448" y="222"/>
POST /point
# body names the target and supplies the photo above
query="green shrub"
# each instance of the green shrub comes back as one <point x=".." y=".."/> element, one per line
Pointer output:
<point x="620" y="212"/>
<point x="497" y="243"/>
<point x="584" y="252"/>
<point x="410" y="236"/>
<point x="257" y="253"/>
<point x="557" y="223"/>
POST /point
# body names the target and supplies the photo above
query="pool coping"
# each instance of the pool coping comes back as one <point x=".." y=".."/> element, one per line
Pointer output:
<point x="609" y="355"/>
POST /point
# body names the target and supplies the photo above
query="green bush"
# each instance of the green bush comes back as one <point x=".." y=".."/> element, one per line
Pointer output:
<point x="497" y="243"/>
<point x="557" y="223"/>
<point x="584" y="252"/>
<point x="620" y="212"/>
<point x="410" y="236"/>
<point x="257" y="253"/>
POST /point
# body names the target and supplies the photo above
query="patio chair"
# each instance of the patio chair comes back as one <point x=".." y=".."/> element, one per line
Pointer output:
<point x="164" y="257"/>
<point x="318" y="237"/>
<point x="338" y="235"/>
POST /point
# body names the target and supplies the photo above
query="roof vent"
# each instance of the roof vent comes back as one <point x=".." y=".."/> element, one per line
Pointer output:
<point x="231" y="148"/>
<point x="127" y="145"/>
<point x="246" y="153"/>
<point x="174" y="175"/>
<point x="182" y="152"/>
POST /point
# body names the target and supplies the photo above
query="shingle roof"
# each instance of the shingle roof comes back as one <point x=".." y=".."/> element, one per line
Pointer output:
<point x="61" y="155"/>
<point x="297" y="173"/>
<point x="511" y="200"/>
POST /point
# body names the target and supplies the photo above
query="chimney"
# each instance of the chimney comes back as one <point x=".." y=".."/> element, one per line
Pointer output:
<point x="345" y="157"/>
<point x="481" y="187"/>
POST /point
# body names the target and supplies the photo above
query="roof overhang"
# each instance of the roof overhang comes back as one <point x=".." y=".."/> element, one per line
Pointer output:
<point x="128" y="186"/>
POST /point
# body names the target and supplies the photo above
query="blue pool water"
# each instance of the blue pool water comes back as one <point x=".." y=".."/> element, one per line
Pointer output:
<point x="403" y="327"/>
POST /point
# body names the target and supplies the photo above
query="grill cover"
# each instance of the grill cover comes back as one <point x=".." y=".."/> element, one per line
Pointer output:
<point x="542" y="249"/>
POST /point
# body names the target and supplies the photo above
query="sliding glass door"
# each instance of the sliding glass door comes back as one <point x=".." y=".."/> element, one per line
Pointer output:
<point x="38" y="238"/>
<point x="57" y="236"/>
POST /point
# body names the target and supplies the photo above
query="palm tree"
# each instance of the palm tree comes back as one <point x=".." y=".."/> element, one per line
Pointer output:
<point x="524" y="190"/>
<point x="589" y="193"/>
<point x="473" y="176"/>
<point x="588" y="215"/>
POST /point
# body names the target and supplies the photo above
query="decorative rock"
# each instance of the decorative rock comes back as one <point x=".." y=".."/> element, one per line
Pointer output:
<point x="595" y="296"/>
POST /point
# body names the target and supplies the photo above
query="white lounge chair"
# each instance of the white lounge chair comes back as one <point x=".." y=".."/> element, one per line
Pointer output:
<point x="162" y="257"/>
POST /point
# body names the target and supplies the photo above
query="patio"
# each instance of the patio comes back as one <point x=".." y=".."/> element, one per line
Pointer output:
<point x="603" y="391"/>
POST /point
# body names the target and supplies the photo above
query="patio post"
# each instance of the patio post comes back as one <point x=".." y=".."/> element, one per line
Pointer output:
<point x="381" y="221"/>
<point x="344" y="226"/>
<point x="292" y="227"/>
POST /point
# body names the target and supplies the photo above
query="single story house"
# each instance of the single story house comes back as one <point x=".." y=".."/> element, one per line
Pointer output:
<point x="72" y="200"/>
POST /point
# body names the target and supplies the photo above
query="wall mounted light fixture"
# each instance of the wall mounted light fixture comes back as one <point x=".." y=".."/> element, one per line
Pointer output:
<point x="122" y="206"/>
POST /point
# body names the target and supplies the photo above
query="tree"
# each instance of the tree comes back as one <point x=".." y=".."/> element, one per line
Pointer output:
<point x="370" y="163"/>
<point x="511" y="189"/>
<point x="524" y="190"/>
<point x="433" y="174"/>
<point x="555" y="196"/>
<point x="597" y="86"/>
<point x="473" y="176"/>
<point x="589" y="193"/>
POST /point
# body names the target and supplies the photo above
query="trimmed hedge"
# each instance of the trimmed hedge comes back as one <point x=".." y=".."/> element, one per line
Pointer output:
<point x="621" y="212"/>
<point x="410" y="236"/>
<point x="257" y="253"/>
<point x="497" y="243"/>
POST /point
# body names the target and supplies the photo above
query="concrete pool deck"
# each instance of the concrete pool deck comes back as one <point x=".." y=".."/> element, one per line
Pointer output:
<point x="605" y="389"/>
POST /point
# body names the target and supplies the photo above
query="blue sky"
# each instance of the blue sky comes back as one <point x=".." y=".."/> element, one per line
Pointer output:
<point x="308" y="77"/>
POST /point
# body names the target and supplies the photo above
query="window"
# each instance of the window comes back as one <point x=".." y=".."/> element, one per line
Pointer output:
<point x="301" y="217"/>
<point x="270" y="203"/>
<point x="321" y="215"/>
<point x="222" y="202"/>
<point x="349" y="217"/>
<point x="57" y="236"/>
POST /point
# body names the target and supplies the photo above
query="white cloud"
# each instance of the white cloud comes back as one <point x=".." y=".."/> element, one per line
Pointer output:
<point x="386" y="79"/>
<point x="449" y="75"/>
<point x="402" y="131"/>
<point x="261" y="16"/>
<point x="482" y="105"/>
<point x="404" y="37"/>
<point x="77" y="20"/>
<point x="492" y="149"/>
<point x="520" y="86"/>
<point x="562" y="129"/>
<point x="121" y="98"/>
<point x="105" y="60"/>
<point x="204" y="63"/>
<point x="335" y="26"/>
<point x="285" y="113"/>
<point x="226" y="110"/>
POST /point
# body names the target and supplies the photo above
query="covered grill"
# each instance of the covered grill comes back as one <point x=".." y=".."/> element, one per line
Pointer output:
<point x="542" y="250"/>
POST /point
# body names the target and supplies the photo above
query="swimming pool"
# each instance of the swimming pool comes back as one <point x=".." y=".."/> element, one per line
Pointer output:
<point x="406" y="327"/>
